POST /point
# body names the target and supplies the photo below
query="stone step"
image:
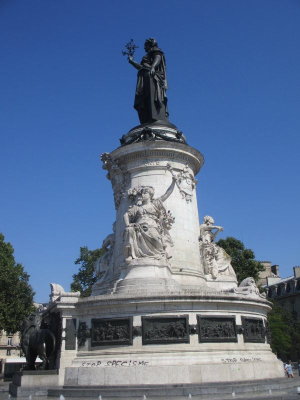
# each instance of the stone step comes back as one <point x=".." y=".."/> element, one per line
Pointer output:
<point x="285" y="389"/>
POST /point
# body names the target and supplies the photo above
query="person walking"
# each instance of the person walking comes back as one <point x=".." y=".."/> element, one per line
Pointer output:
<point x="289" y="369"/>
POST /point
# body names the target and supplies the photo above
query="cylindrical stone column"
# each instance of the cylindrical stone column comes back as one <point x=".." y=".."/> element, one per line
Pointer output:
<point x="157" y="164"/>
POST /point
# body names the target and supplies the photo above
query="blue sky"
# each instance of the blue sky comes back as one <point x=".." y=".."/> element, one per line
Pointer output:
<point x="66" y="97"/>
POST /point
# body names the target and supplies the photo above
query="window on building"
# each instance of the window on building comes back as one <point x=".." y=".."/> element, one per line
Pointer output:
<point x="279" y="290"/>
<point x="8" y="352"/>
<point x="9" y="341"/>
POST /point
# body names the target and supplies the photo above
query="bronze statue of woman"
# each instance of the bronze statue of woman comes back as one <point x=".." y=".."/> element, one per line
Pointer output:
<point x="150" y="95"/>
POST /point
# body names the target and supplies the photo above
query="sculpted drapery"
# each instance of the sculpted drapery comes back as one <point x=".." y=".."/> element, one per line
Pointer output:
<point x="150" y="96"/>
<point x="147" y="226"/>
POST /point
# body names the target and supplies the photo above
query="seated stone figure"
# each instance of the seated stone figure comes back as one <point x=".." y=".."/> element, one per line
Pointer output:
<point x="215" y="260"/>
<point x="147" y="225"/>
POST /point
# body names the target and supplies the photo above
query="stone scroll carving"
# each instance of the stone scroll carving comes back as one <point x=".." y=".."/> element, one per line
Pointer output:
<point x="215" y="260"/>
<point x="185" y="182"/>
<point x="217" y="329"/>
<point x="111" y="331"/>
<point x="147" y="226"/>
<point x="160" y="330"/>
<point x="118" y="176"/>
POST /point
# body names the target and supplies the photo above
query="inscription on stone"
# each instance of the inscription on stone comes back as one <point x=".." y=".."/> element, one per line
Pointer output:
<point x="111" y="331"/>
<point x="162" y="330"/>
<point x="254" y="330"/>
<point x="216" y="329"/>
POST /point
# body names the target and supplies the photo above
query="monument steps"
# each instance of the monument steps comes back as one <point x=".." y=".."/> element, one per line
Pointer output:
<point x="283" y="389"/>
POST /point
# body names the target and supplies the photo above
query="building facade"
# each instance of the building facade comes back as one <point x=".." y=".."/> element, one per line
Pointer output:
<point x="9" y="347"/>
<point x="286" y="292"/>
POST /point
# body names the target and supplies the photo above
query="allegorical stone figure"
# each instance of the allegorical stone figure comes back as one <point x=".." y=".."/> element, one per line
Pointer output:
<point x="215" y="259"/>
<point x="103" y="265"/>
<point x="150" y="96"/>
<point x="147" y="224"/>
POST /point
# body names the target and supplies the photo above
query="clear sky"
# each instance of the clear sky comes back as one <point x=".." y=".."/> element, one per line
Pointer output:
<point x="66" y="96"/>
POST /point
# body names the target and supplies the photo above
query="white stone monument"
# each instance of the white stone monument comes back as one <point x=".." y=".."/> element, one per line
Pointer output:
<point x="166" y="308"/>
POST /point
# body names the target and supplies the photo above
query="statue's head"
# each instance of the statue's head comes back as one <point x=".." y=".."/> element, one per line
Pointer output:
<point x="148" y="190"/>
<point x="149" y="44"/>
<point x="208" y="220"/>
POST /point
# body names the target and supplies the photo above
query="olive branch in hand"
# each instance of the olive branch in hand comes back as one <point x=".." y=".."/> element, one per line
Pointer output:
<point x="130" y="49"/>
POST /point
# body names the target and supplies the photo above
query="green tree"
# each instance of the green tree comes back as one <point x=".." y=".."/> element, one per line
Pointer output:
<point x="280" y="328"/>
<point x="243" y="260"/>
<point x="285" y="333"/>
<point x="86" y="276"/>
<point x="16" y="294"/>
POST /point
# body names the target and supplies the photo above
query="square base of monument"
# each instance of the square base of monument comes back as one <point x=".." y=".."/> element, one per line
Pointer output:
<point x="34" y="383"/>
<point x="167" y="338"/>
<point x="159" y="369"/>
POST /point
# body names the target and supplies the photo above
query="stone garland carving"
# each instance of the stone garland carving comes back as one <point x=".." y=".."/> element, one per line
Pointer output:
<point x="147" y="226"/>
<point x="215" y="260"/>
<point x="118" y="176"/>
<point x="217" y="329"/>
<point x="248" y="287"/>
<point x="160" y="330"/>
<point x="254" y="330"/>
<point x="104" y="264"/>
<point x="111" y="331"/>
<point x="185" y="181"/>
<point x="83" y="333"/>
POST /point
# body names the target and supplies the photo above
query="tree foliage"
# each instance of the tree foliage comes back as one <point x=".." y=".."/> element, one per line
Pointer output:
<point x="285" y="333"/>
<point x="86" y="276"/>
<point x="16" y="294"/>
<point x="243" y="260"/>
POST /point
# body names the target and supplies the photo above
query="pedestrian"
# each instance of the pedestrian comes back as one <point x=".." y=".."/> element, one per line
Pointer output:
<point x="289" y="369"/>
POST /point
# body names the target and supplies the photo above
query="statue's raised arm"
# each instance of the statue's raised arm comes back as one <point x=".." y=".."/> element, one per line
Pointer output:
<point x="169" y="191"/>
<point x="208" y="231"/>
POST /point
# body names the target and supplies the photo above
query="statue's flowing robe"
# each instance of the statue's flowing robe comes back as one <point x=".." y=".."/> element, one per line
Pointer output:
<point x="150" y="96"/>
<point x="145" y="238"/>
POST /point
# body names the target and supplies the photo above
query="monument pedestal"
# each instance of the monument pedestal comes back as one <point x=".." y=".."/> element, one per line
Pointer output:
<point x="154" y="164"/>
<point x="185" y="337"/>
<point x="35" y="383"/>
<point x="166" y="309"/>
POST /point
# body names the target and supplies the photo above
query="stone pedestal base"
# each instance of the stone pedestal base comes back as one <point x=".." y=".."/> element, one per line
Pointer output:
<point x="35" y="383"/>
<point x="176" y="368"/>
<point x="150" y="278"/>
<point x="171" y="337"/>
